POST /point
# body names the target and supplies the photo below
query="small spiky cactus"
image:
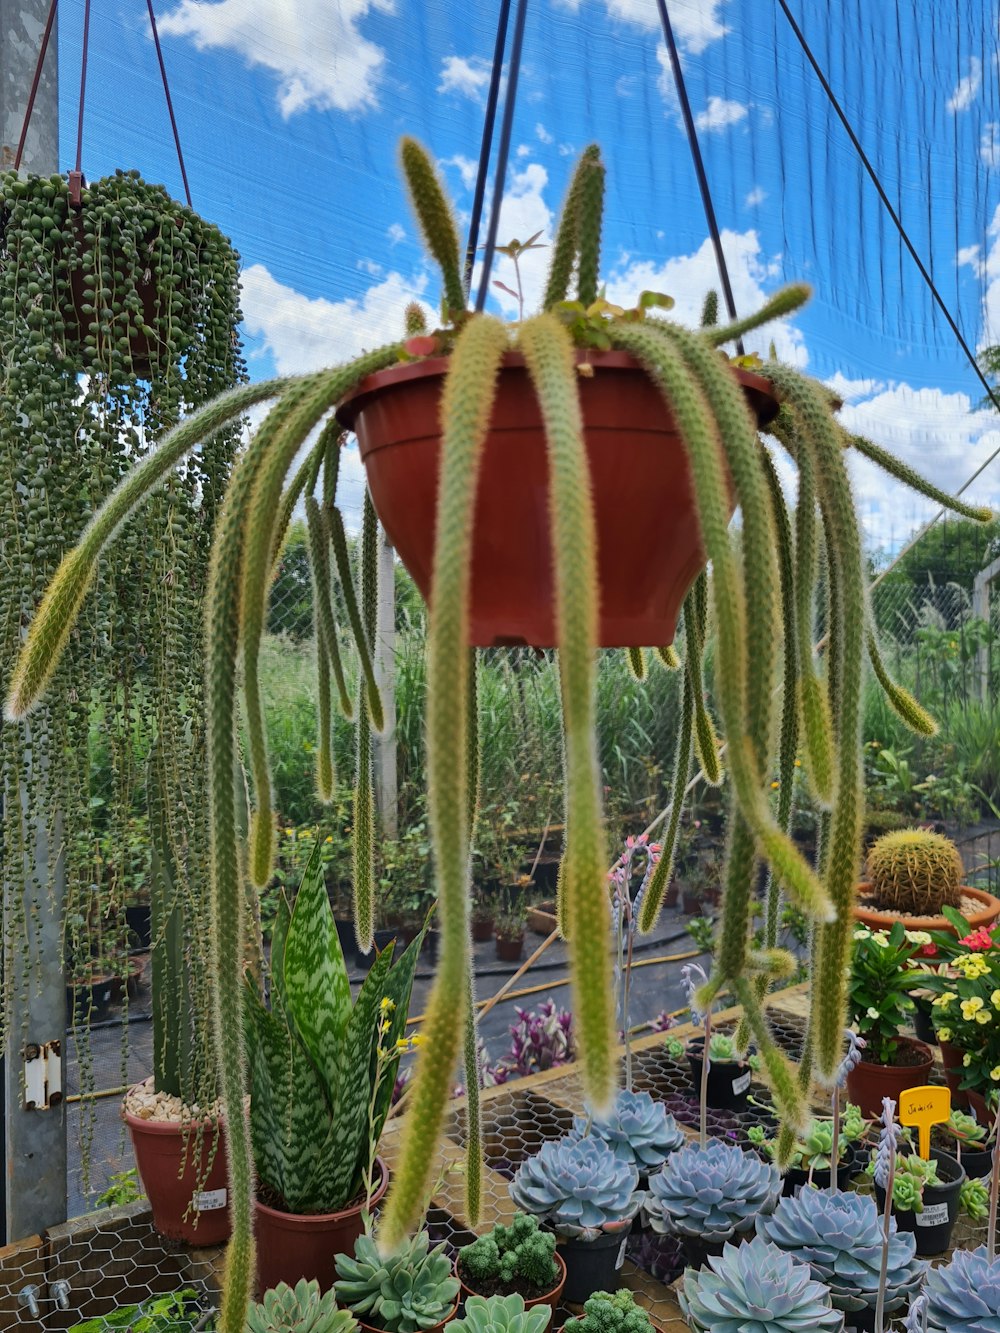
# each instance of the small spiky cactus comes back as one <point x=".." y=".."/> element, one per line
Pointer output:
<point x="915" y="871"/>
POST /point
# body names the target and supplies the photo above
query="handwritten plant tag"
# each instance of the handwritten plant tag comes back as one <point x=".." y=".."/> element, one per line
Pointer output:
<point x="924" y="1107"/>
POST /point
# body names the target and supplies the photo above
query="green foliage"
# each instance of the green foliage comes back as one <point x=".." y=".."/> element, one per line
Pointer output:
<point x="611" y="1312"/>
<point x="508" y="1253"/>
<point x="179" y="1312"/>
<point x="123" y="1187"/>
<point x="313" y="1055"/>
<point x="915" y="872"/>
<point x="502" y="1314"/>
<point x="302" y="1309"/>
<point x="880" y="982"/>
<point x="409" y="1289"/>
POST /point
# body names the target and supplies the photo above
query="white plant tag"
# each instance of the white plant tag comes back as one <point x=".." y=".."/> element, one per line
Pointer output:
<point x="742" y="1083"/>
<point x="208" y="1200"/>
<point x="621" y="1252"/>
<point x="933" y="1215"/>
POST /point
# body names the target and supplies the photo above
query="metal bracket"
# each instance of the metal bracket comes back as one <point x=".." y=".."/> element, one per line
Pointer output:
<point x="42" y="1075"/>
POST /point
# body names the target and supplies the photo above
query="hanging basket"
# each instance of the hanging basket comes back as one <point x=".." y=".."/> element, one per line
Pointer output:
<point x="648" y="536"/>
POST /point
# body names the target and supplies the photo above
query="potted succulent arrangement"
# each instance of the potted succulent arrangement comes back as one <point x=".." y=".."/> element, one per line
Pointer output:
<point x="913" y="874"/>
<point x="611" y="1312"/>
<point x="549" y="372"/>
<point x="970" y="1142"/>
<point x="516" y="1260"/>
<point x="747" y="1281"/>
<point x="322" y="1071"/>
<point x="881" y="978"/>
<point x="299" y="1309"/>
<point x="727" y="1084"/>
<point x="927" y="1196"/>
<point x="588" y="1196"/>
<point x="840" y="1236"/>
<point x="502" y="1314"/>
<point x="809" y="1162"/>
<point x="963" y="1295"/>
<point x="410" y="1290"/>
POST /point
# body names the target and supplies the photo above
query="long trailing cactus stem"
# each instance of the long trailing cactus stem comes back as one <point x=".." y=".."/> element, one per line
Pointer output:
<point x="319" y="561"/>
<point x="590" y="207"/>
<point x="909" y="477"/>
<point x="304" y="480"/>
<point x="906" y="708"/>
<point x="816" y="433"/>
<point x="363" y="831"/>
<point x="326" y="776"/>
<point x="465" y="412"/>
<point x="635" y="659"/>
<point x="566" y="244"/>
<point x="782" y="303"/>
<point x="435" y="218"/>
<point x="706" y="742"/>
<point x="473" y="1109"/>
<point x="548" y="352"/>
<point x="365" y="645"/>
<point x="56" y="615"/>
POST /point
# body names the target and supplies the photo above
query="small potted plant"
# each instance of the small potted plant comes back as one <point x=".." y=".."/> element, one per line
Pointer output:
<point x="745" y="1281"/>
<point x="409" y="1290"/>
<point x="913" y="874"/>
<point x="710" y="1194"/>
<point x="881" y="978"/>
<point x="510" y="920"/>
<point x="729" y="1074"/>
<point x="963" y="1296"/>
<point x="967" y="1020"/>
<point x="927" y="1195"/>
<point x="971" y="1142"/>
<point x="611" y="1312"/>
<point x="579" y="1188"/>
<point x="483" y="915"/>
<point x="502" y="1314"/>
<point x="519" y="1259"/>
<point x="839" y="1235"/>
<point x="299" y="1309"/>
<point x="810" y="1160"/>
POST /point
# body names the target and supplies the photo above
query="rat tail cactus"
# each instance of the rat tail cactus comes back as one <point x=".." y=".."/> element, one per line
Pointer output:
<point x="747" y="597"/>
<point x="756" y="1288"/>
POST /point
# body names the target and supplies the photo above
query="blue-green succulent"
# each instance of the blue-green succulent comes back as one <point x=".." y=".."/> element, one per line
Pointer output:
<point x="839" y="1235"/>
<point x="637" y="1130"/>
<point x="578" y="1186"/>
<point x="757" y="1288"/>
<point x="404" y="1292"/>
<point x="713" y="1192"/>
<point x="611" y="1312"/>
<point x="501" y="1314"/>
<point x="964" y="1295"/>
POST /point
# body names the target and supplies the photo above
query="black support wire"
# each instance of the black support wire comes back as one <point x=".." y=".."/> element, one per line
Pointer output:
<point x="699" y="165"/>
<point x="487" y="143"/>
<point x="897" y="221"/>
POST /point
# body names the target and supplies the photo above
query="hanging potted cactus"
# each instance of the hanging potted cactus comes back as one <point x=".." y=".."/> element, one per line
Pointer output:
<point x="763" y="599"/>
<point x="913" y="875"/>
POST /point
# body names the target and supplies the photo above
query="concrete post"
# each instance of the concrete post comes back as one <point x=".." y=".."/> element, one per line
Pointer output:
<point x="981" y="611"/>
<point x="386" y="789"/>
<point x="34" y="1141"/>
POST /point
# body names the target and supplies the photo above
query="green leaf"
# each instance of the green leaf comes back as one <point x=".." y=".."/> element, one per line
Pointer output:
<point x="317" y="989"/>
<point x="659" y="299"/>
<point x="956" y="919"/>
<point x="279" y="934"/>
<point x="398" y="986"/>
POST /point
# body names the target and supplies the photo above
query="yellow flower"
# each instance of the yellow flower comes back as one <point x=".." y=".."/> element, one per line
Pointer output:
<point x="328" y="839"/>
<point x="966" y="1059"/>
<point x="417" y="1039"/>
<point x="984" y="1017"/>
<point x="944" y="1034"/>
<point x="995" y="1073"/>
<point x="289" y="833"/>
<point x="944" y="1000"/>
<point x="775" y="786"/>
<point x="971" y="1007"/>
<point x="917" y="936"/>
<point x="402" y="1044"/>
<point x="798" y="763"/>
<point x="386" y="1005"/>
<point x="880" y="938"/>
<point x="995" y="999"/>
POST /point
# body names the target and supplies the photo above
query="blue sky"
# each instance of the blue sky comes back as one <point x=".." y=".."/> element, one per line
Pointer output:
<point x="290" y="111"/>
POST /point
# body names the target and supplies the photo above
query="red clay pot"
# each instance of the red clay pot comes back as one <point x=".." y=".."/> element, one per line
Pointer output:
<point x="296" y="1245"/>
<point x="868" y="1083"/>
<point x="508" y="950"/>
<point x="483" y="930"/>
<point x="648" y="536"/>
<point x="551" y="1297"/>
<point x="951" y="1060"/>
<point x="160" y="1147"/>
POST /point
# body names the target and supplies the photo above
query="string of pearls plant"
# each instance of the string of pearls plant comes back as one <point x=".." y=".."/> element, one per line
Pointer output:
<point x="762" y="593"/>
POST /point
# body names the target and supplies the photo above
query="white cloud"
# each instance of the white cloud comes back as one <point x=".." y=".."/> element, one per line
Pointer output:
<point x="396" y="233"/>
<point x="967" y="87"/>
<point x="720" y="114"/>
<point x="305" y="334"/>
<point x="316" y="49"/>
<point x="850" y="390"/>
<point x="696" y="23"/>
<point x="989" y="145"/>
<point x="988" y="270"/>
<point x="756" y="197"/>
<point x="466" y="168"/>
<point x="542" y="134"/>
<point x="465" y="76"/>
<point x="969" y="254"/>
<point x="687" y="278"/>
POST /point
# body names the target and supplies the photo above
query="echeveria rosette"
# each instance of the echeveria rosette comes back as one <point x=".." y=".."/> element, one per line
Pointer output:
<point x="840" y="1236"/>
<point x="964" y="1295"/>
<point x="713" y="1192"/>
<point x="579" y="1186"/>
<point x="756" y="1288"/>
<point x="638" y="1130"/>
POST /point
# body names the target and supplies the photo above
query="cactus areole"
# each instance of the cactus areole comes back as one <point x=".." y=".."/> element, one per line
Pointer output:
<point x="649" y="546"/>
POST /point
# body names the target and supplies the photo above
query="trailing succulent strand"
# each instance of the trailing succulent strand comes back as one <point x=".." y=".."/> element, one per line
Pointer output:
<point x="706" y="743"/>
<point x="436" y="221"/>
<point x="907" y="709"/>
<point x="363" y="832"/>
<point x="566" y="245"/>
<point x="470" y="1054"/>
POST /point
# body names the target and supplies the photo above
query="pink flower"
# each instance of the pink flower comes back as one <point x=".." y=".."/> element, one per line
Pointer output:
<point x="979" y="940"/>
<point x="928" y="951"/>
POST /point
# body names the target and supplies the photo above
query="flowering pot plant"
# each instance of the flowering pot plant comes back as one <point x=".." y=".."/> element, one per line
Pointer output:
<point x="709" y="455"/>
<point x="881" y="979"/>
<point x="966" y="1010"/>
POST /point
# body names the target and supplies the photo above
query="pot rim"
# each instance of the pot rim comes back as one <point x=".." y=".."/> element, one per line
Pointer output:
<point x="886" y="920"/>
<point x="542" y="1299"/>
<point x="374" y="1328"/>
<point x="300" y="1218"/>
<point x="163" y="1127"/>
<point x="765" y="403"/>
<point x="904" y="1041"/>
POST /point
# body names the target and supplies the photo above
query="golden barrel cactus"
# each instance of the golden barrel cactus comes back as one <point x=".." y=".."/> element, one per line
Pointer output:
<point x="915" y="871"/>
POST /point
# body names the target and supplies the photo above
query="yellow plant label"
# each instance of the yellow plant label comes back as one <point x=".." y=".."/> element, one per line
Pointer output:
<point x="924" y="1107"/>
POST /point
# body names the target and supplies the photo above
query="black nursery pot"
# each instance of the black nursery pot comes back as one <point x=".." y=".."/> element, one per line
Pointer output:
<point x="696" y="1249"/>
<point x="933" y="1227"/>
<point x="728" y="1081"/>
<point x="383" y="938"/>
<point x="922" y="1024"/>
<point x="796" y="1176"/>
<point x="977" y="1163"/>
<point x="592" y="1265"/>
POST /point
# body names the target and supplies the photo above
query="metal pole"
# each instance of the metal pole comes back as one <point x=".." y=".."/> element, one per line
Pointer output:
<point x="34" y="1140"/>
<point x="386" y="788"/>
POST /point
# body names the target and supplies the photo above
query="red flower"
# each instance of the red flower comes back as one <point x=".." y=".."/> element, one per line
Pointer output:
<point x="928" y="951"/>
<point x="978" y="941"/>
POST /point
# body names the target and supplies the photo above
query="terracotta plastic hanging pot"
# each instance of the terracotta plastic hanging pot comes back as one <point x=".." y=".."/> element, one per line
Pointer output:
<point x="868" y="1083"/>
<point x="291" y="1246"/>
<point x="648" y="536"/>
<point x="160" y="1148"/>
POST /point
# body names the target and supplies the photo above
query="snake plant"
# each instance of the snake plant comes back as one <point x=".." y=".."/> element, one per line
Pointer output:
<point x="763" y="593"/>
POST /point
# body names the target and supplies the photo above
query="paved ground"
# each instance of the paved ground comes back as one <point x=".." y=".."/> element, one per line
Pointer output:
<point x="655" y="987"/>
